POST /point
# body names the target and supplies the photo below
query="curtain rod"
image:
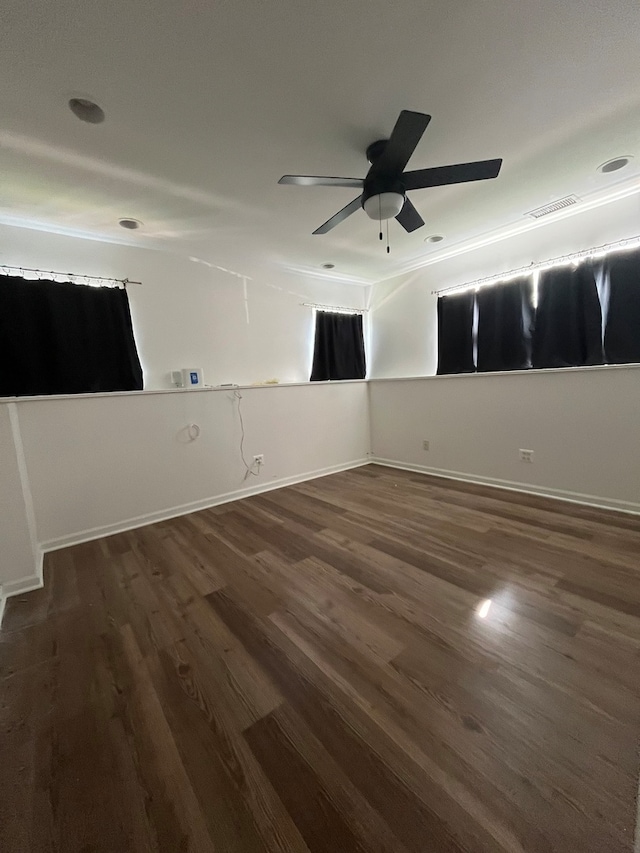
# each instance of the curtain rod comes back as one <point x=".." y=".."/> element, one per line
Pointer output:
<point x="594" y="252"/>
<point x="339" y="309"/>
<point x="68" y="275"/>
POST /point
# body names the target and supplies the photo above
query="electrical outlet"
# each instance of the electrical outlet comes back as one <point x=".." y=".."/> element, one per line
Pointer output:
<point x="526" y="455"/>
<point x="425" y="445"/>
<point x="258" y="459"/>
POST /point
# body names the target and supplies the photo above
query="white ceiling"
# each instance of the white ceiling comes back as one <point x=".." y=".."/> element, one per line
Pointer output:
<point x="209" y="103"/>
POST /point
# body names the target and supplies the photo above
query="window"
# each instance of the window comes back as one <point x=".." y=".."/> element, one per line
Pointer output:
<point x="568" y="323"/>
<point x="455" y="333"/>
<point x="339" y="347"/>
<point x="505" y="315"/>
<point x="622" y="331"/>
<point x="586" y="314"/>
<point x="62" y="338"/>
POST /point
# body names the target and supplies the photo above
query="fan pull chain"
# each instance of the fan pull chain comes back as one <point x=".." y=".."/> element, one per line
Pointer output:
<point x="380" y="215"/>
<point x="388" y="251"/>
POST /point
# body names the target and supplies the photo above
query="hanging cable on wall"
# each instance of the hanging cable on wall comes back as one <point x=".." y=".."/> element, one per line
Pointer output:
<point x="248" y="468"/>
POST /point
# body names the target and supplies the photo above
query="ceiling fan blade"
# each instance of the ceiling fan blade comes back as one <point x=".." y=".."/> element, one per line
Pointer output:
<point x="457" y="174"/>
<point x="340" y="216"/>
<point x="409" y="217"/>
<point x="404" y="137"/>
<point x="320" y="181"/>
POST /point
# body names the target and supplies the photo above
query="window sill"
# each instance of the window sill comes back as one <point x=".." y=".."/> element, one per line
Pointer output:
<point x="176" y="391"/>
<point x="532" y="372"/>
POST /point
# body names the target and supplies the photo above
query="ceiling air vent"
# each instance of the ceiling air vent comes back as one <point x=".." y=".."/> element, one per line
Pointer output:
<point x="554" y="207"/>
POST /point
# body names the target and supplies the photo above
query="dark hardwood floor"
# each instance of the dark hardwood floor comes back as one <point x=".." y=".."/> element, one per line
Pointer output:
<point x="307" y="670"/>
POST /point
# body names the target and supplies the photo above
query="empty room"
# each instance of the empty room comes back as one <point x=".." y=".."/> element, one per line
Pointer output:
<point x="319" y="427"/>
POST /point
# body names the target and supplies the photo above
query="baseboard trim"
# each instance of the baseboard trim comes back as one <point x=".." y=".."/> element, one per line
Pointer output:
<point x="18" y="587"/>
<point x="184" y="509"/>
<point x="543" y="491"/>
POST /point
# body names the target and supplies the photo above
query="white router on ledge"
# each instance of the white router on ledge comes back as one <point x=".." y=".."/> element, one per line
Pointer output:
<point x="188" y="377"/>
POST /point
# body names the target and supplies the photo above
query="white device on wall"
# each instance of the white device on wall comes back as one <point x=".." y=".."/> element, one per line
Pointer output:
<point x="188" y="377"/>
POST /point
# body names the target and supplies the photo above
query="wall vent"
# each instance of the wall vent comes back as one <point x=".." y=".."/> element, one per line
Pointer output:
<point x="554" y="207"/>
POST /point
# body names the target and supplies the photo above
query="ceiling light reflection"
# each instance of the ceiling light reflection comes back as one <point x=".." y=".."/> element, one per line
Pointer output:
<point x="483" y="608"/>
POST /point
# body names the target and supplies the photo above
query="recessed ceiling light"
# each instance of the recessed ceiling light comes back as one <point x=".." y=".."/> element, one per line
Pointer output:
<point x="130" y="224"/>
<point x="434" y="238"/>
<point x="614" y="165"/>
<point x="86" y="110"/>
<point x="328" y="266"/>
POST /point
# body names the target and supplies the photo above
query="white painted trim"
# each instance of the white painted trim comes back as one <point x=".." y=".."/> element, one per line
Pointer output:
<point x="22" y="585"/>
<point x="18" y="587"/>
<point x="332" y="276"/>
<point x="24" y="476"/>
<point x="544" y="491"/>
<point x="194" y="506"/>
<point x="600" y="198"/>
<point x="151" y="391"/>
<point x="636" y="846"/>
<point x="531" y="371"/>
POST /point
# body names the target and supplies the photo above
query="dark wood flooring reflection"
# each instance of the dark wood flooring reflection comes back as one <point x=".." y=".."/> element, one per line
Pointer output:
<point x="307" y="670"/>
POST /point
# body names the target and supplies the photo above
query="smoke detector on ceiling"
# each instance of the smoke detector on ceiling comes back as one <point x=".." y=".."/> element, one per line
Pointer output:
<point x="553" y="207"/>
<point x="434" y="238"/>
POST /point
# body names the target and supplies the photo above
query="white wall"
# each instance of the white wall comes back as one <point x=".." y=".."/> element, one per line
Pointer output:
<point x="403" y="316"/>
<point x="188" y="314"/>
<point x="18" y="557"/>
<point x="582" y="424"/>
<point x="100" y="463"/>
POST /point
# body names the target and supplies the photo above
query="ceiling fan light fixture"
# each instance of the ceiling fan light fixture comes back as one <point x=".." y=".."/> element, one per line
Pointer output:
<point x="386" y="182"/>
<point x="383" y="205"/>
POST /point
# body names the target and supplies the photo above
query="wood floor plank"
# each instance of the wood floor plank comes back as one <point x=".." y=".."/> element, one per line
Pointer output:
<point x="326" y="806"/>
<point x="175" y="811"/>
<point x="393" y="787"/>
<point x="308" y="670"/>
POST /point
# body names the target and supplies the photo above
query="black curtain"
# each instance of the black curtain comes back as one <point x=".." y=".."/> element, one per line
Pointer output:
<point x="62" y="338"/>
<point x="622" y="331"/>
<point x="568" y="325"/>
<point x="505" y="314"/>
<point x="339" y="347"/>
<point x="455" y="333"/>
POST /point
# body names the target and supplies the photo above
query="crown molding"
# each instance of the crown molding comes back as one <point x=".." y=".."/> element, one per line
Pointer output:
<point x="514" y="229"/>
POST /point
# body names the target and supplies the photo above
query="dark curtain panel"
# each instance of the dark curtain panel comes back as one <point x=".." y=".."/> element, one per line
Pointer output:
<point x="622" y="332"/>
<point x="339" y="347"/>
<point x="505" y="313"/>
<point x="62" y="338"/>
<point x="455" y="333"/>
<point x="568" y="325"/>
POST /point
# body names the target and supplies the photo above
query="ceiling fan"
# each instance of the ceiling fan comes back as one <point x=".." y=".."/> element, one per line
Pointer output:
<point x="384" y="188"/>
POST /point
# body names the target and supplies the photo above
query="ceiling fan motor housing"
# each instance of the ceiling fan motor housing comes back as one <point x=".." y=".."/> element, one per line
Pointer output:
<point x="375" y="150"/>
